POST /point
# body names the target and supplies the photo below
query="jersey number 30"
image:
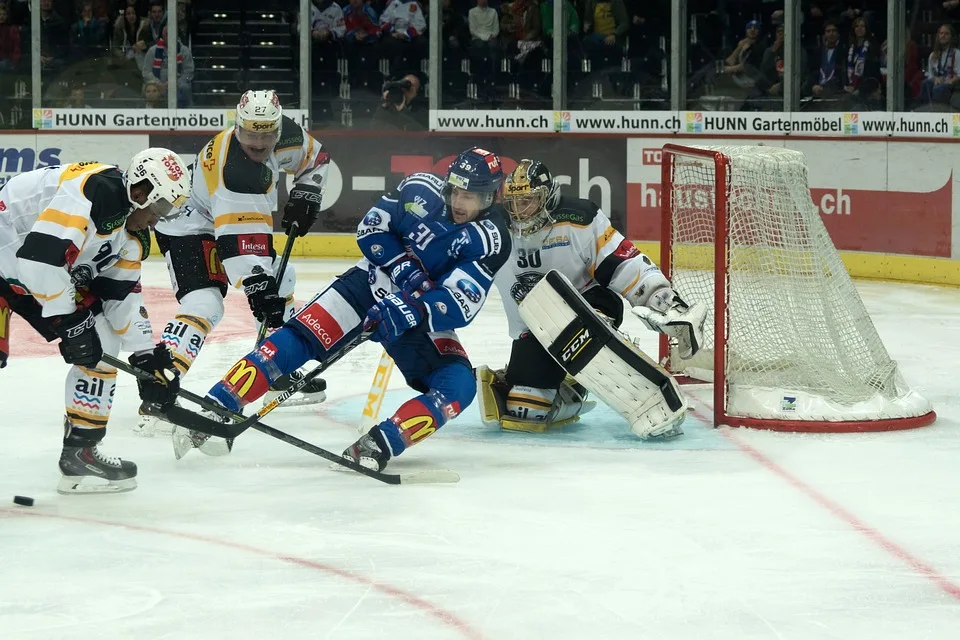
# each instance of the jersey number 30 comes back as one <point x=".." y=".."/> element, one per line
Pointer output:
<point x="529" y="259"/>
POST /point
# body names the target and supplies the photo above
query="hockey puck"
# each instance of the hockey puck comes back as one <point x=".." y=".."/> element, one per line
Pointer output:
<point x="23" y="500"/>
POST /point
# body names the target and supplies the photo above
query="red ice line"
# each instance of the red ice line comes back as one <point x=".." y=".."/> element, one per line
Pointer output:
<point x="431" y="610"/>
<point x="853" y="521"/>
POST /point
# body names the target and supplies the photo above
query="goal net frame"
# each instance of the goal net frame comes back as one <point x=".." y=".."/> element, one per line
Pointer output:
<point x="907" y="410"/>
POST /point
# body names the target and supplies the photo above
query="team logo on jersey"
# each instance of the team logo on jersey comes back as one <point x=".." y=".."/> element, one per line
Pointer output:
<point x="470" y="290"/>
<point x="459" y="244"/>
<point x="626" y="250"/>
<point x="376" y="250"/>
<point x="81" y="275"/>
<point x="439" y="306"/>
<point x="526" y="281"/>
<point x="372" y="219"/>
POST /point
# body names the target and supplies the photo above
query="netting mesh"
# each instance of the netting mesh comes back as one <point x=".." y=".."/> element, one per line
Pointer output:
<point x="796" y="321"/>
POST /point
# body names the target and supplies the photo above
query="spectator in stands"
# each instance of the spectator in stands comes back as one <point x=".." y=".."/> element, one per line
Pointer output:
<point x="360" y="22"/>
<point x="402" y="24"/>
<point x="546" y="19"/>
<point x="743" y="63"/>
<point x="767" y="94"/>
<point x="76" y="99"/>
<point x="606" y="24"/>
<point x="54" y="37"/>
<point x="153" y="95"/>
<point x="87" y="37"/>
<point x="528" y="33"/>
<point x="102" y="14"/>
<point x="453" y="26"/>
<point x="484" y="45"/>
<point x="155" y="68"/>
<point x="130" y="36"/>
<point x="183" y="21"/>
<point x="156" y="19"/>
<point x="912" y="73"/>
<point x="401" y="104"/>
<point x="943" y="68"/>
<point x="326" y="22"/>
<point x="829" y="77"/>
<point x="863" y="63"/>
<point x="9" y="42"/>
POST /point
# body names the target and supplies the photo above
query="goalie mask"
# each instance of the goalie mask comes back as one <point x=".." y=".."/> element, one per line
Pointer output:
<point x="529" y="195"/>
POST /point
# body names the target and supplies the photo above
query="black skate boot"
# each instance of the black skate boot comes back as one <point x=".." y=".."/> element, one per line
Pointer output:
<point x="370" y="451"/>
<point x="86" y="470"/>
<point x="152" y="421"/>
<point x="185" y="439"/>
<point x="312" y="393"/>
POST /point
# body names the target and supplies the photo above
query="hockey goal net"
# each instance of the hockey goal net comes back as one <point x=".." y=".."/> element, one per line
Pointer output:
<point x="789" y="344"/>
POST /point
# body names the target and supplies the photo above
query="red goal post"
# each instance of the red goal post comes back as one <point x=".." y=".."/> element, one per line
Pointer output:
<point x="788" y="343"/>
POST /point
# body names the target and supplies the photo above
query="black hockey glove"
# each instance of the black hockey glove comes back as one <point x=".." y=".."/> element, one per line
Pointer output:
<point x="264" y="298"/>
<point x="303" y="207"/>
<point x="163" y="389"/>
<point x="79" y="342"/>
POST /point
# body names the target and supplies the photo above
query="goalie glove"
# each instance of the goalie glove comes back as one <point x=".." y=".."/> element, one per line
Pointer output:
<point x="670" y="315"/>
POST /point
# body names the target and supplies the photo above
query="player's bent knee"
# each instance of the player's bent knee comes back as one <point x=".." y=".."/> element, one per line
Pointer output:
<point x="456" y="384"/>
<point x="206" y="304"/>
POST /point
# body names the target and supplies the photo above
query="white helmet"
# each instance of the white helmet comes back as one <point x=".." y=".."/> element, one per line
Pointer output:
<point x="168" y="176"/>
<point x="259" y="112"/>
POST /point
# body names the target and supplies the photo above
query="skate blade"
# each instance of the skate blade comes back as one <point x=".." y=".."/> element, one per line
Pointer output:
<point x="180" y="436"/>
<point x="150" y="426"/>
<point x="216" y="447"/>
<point x="299" y="400"/>
<point x="72" y="485"/>
<point x="432" y="476"/>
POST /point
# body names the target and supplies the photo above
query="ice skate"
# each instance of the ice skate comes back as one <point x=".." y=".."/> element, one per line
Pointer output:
<point x="312" y="393"/>
<point x="151" y="421"/>
<point x="86" y="469"/>
<point x="369" y="451"/>
<point x="185" y="439"/>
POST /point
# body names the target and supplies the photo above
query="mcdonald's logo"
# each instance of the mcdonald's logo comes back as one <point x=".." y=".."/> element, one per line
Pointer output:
<point x="417" y="428"/>
<point x="4" y="319"/>
<point x="241" y="377"/>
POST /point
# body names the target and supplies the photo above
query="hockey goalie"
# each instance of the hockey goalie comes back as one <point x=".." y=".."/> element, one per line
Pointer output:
<point x="563" y="290"/>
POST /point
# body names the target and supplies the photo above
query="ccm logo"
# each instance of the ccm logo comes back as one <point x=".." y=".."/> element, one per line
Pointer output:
<point x="574" y="346"/>
<point x="652" y="156"/>
<point x="321" y="323"/>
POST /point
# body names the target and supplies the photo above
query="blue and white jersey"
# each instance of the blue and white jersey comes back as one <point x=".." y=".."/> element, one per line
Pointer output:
<point x="461" y="259"/>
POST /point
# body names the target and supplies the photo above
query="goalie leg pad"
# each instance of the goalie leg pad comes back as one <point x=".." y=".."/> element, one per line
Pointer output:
<point x="601" y="360"/>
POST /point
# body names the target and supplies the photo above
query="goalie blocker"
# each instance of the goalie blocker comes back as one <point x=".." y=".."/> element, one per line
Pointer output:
<point x="600" y="359"/>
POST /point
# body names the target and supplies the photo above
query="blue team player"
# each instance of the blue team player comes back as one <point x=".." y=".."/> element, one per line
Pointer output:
<point x="431" y="248"/>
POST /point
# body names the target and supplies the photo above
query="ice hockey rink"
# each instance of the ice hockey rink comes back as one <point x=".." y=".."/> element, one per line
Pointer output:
<point x="585" y="532"/>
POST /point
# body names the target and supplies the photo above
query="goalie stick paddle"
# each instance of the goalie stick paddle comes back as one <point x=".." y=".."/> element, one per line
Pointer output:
<point x="284" y="259"/>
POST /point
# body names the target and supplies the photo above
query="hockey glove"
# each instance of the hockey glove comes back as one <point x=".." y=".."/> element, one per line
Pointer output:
<point x="676" y="319"/>
<point x="264" y="298"/>
<point x="394" y="315"/>
<point x="409" y="276"/>
<point x="302" y="208"/>
<point x="79" y="342"/>
<point x="163" y="389"/>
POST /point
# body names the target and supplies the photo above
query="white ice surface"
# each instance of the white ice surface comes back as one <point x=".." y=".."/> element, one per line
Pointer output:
<point x="586" y="533"/>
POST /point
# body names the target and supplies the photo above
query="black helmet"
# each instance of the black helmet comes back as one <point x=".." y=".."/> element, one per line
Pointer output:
<point x="529" y="195"/>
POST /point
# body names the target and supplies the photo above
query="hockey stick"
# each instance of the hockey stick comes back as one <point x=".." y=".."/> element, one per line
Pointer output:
<point x="191" y="420"/>
<point x="378" y="389"/>
<point x="284" y="259"/>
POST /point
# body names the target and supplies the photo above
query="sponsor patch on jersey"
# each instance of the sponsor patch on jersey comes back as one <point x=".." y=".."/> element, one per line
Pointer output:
<point x="253" y="244"/>
<point x="495" y="240"/>
<point x="470" y="290"/>
<point x="321" y="324"/>
<point x="376" y="250"/>
<point x="449" y="347"/>
<point x="267" y="351"/>
<point x="626" y="250"/>
<point x="556" y="241"/>
<point x="372" y="219"/>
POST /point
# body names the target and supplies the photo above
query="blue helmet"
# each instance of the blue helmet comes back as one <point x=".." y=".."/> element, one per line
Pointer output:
<point x="476" y="170"/>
